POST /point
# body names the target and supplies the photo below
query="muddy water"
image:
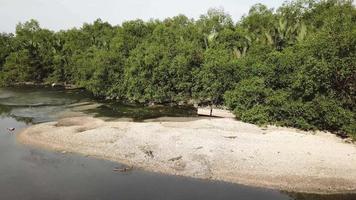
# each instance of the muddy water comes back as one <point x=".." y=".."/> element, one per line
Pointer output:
<point x="32" y="174"/>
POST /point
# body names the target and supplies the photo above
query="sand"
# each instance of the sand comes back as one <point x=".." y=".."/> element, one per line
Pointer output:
<point x="210" y="148"/>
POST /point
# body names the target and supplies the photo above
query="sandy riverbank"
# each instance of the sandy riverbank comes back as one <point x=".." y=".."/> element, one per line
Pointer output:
<point x="218" y="149"/>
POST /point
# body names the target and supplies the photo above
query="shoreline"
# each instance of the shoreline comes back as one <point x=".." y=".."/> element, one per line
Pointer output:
<point x="221" y="149"/>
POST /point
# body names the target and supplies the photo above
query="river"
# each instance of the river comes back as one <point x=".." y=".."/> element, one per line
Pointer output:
<point x="29" y="173"/>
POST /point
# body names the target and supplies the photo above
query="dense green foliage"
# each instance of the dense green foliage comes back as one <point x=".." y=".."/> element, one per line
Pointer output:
<point x="294" y="66"/>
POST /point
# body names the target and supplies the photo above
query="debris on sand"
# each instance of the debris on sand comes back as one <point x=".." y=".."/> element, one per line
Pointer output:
<point x="230" y="137"/>
<point x="175" y="158"/>
<point x="149" y="153"/>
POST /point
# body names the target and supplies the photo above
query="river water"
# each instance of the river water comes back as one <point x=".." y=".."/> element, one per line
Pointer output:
<point x="29" y="173"/>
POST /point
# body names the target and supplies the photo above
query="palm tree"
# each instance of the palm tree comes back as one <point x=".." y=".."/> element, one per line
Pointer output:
<point x="243" y="45"/>
<point x="285" y="33"/>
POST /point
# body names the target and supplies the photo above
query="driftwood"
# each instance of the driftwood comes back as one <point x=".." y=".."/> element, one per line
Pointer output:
<point x="230" y="137"/>
<point x="175" y="158"/>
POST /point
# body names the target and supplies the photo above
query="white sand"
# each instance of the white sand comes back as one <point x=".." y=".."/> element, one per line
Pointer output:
<point x="218" y="149"/>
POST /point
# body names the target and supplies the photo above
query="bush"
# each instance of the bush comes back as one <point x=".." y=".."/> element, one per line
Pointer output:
<point x="247" y="94"/>
<point x="258" y="114"/>
<point x="248" y="100"/>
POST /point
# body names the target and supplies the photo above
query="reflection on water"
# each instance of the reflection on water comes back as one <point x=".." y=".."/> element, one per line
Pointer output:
<point x="32" y="174"/>
<point x="34" y="105"/>
<point x="46" y="104"/>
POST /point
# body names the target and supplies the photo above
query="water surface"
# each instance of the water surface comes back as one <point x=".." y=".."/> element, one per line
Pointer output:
<point x="28" y="173"/>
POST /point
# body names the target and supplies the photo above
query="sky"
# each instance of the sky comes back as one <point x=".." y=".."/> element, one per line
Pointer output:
<point x="63" y="14"/>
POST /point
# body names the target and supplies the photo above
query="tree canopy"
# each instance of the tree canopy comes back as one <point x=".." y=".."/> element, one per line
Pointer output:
<point x="293" y="66"/>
